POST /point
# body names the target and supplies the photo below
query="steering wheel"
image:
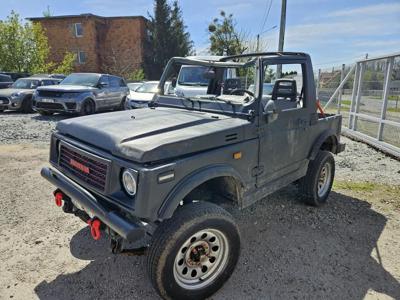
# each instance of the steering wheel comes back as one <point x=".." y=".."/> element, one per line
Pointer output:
<point x="241" y="91"/>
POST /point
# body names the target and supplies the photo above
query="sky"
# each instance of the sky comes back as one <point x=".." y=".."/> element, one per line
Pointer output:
<point x="331" y="31"/>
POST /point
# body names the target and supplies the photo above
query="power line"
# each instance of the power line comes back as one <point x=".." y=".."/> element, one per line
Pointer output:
<point x="266" y="14"/>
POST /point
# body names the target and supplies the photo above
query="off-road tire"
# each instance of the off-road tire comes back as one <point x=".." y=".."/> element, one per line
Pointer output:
<point x="308" y="185"/>
<point x="26" y="106"/>
<point x="87" y="108"/>
<point x="171" y="236"/>
<point x="45" y="113"/>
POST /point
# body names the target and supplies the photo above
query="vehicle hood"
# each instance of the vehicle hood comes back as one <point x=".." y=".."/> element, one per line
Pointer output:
<point x="140" y="96"/>
<point x="67" y="88"/>
<point x="190" y="91"/>
<point x="151" y="135"/>
<point x="10" y="91"/>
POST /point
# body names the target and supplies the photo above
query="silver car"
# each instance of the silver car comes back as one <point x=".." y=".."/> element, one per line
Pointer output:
<point x="19" y="95"/>
<point x="141" y="96"/>
<point x="82" y="93"/>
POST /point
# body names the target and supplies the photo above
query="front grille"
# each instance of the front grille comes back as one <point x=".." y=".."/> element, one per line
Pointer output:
<point x="84" y="167"/>
<point x="5" y="100"/>
<point x="44" y="93"/>
<point x="47" y="105"/>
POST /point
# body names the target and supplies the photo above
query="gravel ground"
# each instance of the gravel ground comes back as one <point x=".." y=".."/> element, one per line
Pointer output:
<point x="347" y="249"/>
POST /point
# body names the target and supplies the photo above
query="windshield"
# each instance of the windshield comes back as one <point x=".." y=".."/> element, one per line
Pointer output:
<point x="267" y="88"/>
<point x="25" y="84"/>
<point x="193" y="75"/>
<point x="148" y="87"/>
<point x="134" y="85"/>
<point x="81" y="79"/>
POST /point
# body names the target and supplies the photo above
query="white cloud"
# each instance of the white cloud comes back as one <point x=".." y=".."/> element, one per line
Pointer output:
<point x="368" y="10"/>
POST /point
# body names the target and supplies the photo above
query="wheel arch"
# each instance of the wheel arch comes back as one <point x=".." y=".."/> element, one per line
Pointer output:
<point x="209" y="175"/>
<point x="328" y="140"/>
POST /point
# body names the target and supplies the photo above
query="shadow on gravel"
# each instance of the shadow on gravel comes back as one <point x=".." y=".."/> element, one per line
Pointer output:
<point x="288" y="251"/>
<point x="52" y="118"/>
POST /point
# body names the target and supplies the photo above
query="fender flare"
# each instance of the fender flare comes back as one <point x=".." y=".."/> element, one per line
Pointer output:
<point x="190" y="182"/>
<point x="320" y="140"/>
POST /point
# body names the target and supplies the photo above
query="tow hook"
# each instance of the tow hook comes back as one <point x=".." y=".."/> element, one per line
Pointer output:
<point x="58" y="198"/>
<point x="95" y="225"/>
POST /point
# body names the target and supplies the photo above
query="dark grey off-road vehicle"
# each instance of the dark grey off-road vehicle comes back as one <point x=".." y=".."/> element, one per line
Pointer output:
<point x="167" y="171"/>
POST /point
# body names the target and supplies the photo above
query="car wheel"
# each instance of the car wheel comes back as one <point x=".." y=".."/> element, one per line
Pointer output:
<point x="317" y="184"/>
<point x="193" y="253"/>
<point x="26" y="106"/>
<point x="45" y="113"/>
<point x="122" y="105"/>
<point x="1" y="110"/>
<point x="87" y="108"/>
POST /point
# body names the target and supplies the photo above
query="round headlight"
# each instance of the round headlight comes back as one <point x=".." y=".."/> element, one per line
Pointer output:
<point x="129" y="182"/>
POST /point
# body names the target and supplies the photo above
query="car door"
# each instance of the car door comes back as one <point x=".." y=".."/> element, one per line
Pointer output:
<point x="103" y="93"/>
<point x="284" y="141"/>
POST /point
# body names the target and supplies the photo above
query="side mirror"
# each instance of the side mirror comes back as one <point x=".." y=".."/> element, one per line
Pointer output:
<point x="270" y="111"/>
<point x="173" y="82"/>
<point x="103" y="84"/>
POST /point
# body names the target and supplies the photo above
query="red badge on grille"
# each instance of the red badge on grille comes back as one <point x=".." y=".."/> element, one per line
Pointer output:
<point x="79" y="166"/>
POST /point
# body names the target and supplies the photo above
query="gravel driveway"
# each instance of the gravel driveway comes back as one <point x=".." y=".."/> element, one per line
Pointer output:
<point x="347" y="249"/>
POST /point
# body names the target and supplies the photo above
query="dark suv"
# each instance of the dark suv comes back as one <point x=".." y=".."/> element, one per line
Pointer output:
<point x="168" y="171"/>
<point x="82" y="93"/>
<point x="5" y="81"/>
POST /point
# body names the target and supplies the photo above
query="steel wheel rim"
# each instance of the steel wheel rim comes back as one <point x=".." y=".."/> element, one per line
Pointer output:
<point x="324" y="179"/>
<point x="201" y="259"/>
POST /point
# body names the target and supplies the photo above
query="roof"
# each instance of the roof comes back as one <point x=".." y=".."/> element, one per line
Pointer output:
<point x="86" y="15"/>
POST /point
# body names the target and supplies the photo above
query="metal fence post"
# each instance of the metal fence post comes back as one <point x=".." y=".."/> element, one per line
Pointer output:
<point x="354" y="94"/>
<point x="318" y="83"/>
<point x="386" y="90"/>
<point x="359" y="94"/>
<point x="341" y="90"/>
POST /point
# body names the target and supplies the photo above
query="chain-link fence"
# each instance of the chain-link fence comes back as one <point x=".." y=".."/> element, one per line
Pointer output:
<point x="367" y="94"/>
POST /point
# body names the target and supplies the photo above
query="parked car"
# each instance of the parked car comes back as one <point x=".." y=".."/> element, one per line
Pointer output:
<point x="5" y="81"/>
<point x="134" y="85"/>
<point x="16" y="75"/>
<point x="58" y="76"/>
<point x="82" y="93"/>
<point x="164" y="172"/>
<point x="142" y="95"/>
<point x="19" y="95"/>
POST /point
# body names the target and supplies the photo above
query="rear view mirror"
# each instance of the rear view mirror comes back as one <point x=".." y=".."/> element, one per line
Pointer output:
<point x="270" y="111"/>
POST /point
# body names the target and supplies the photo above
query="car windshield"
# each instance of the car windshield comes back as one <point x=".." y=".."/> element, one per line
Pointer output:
<point x="134" y="85"/>
<point x="81" y="79"/>
<point x="148" y="87"/>
<point x="193" y="75"/>
<point x="267" y="88"/>
<point x="25" y="84"/>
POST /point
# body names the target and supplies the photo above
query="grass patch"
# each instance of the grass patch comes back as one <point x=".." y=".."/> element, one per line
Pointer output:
<point x="394" y="109"/>
<point x="346" y="102"/>
<point x="355" y="186"/>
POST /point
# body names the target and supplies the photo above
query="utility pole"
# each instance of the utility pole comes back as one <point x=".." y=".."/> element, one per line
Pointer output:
<point x="281" y="35"/>
<point x="258" y="43"/>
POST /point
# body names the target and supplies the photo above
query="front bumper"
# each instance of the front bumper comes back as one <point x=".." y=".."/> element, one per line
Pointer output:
<point x="125" y="228"/>
<point x="131" y="104"/>
<point x="56" y="105"/>
<point x="10" y="103"/>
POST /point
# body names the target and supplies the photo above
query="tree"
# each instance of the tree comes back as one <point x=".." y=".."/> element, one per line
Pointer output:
<point x="169" y="37"/>
<point x="225" y="39"/>
<point x="24" y="47"/>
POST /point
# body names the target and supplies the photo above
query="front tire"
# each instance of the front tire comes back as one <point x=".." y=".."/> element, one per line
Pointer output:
<point x="317" y="184"/>
<point x="194" y="253"/>
<point x="87" y="108"/>
<point x="26" y="106"/>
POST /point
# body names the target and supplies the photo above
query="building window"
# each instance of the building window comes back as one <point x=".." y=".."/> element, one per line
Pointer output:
<point x="81" y="57"/>
<point x="78" y="29"/>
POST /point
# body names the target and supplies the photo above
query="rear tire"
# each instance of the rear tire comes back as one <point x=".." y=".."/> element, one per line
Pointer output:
<point x="87" y="108"/>
<point x="317" y="184"/>
<point x="194" y="253"/>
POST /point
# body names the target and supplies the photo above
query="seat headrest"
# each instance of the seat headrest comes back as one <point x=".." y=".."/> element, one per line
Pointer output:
<point x="285" y="88"/>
